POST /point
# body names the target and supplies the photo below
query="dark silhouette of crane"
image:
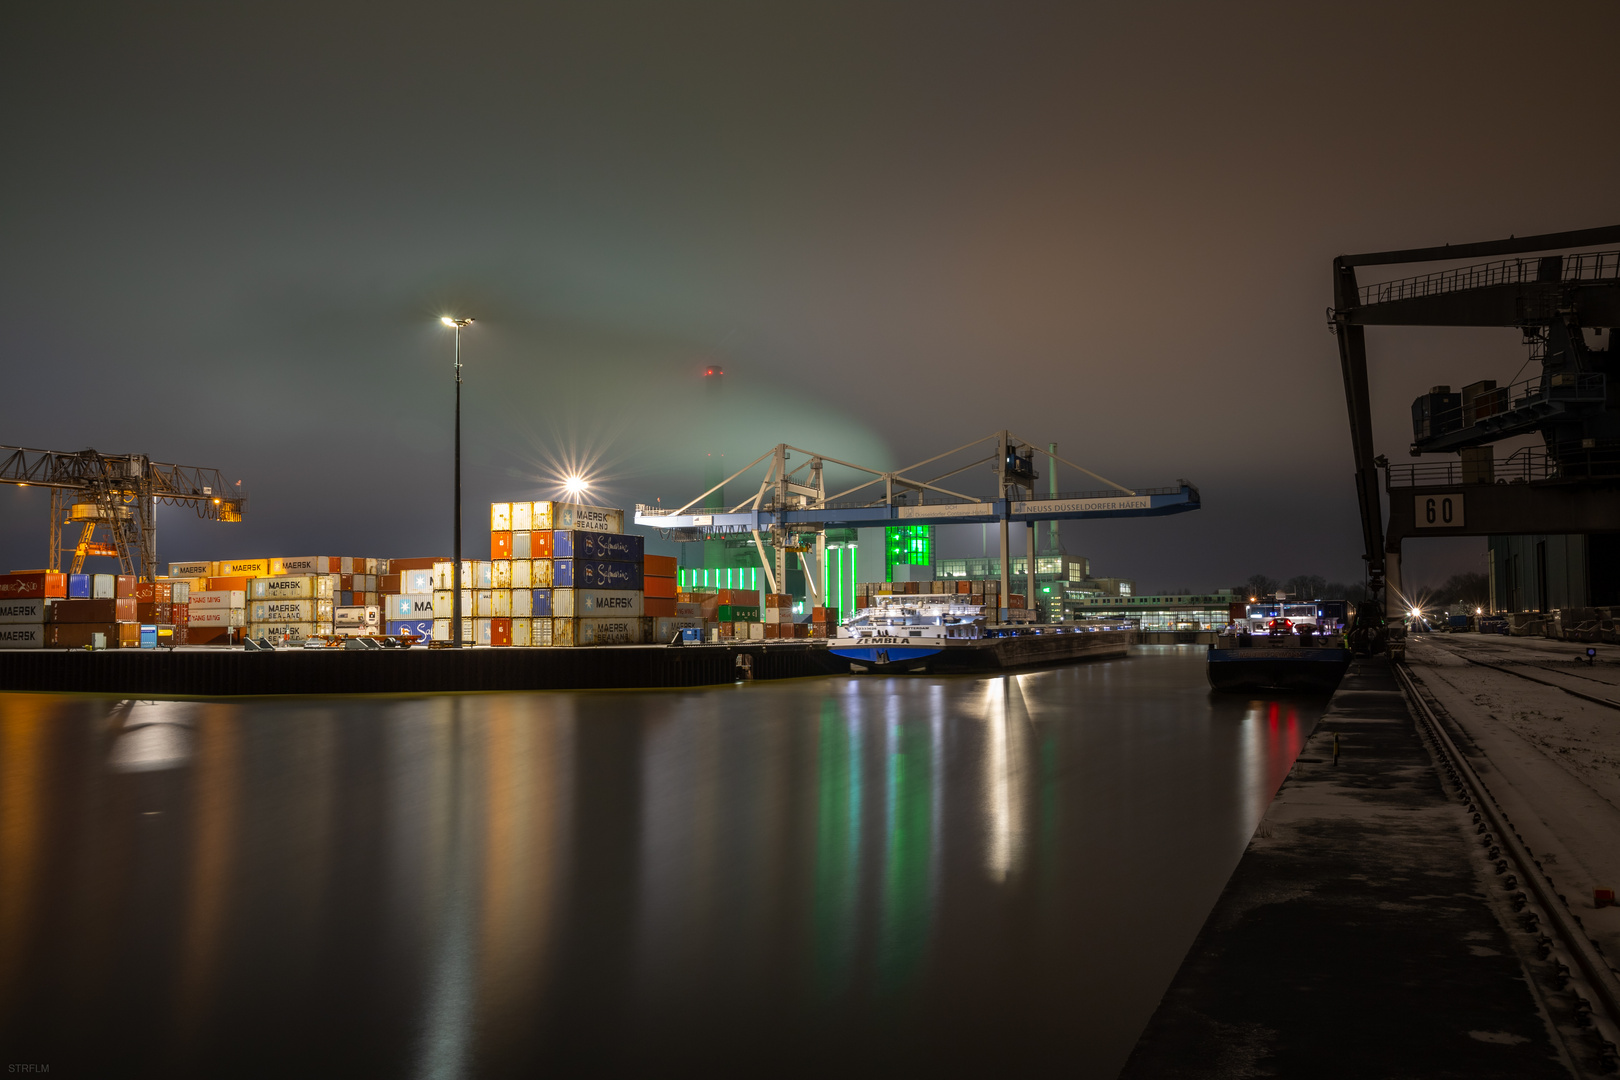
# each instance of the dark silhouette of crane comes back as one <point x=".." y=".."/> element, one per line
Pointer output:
<point x="119" y="495"/>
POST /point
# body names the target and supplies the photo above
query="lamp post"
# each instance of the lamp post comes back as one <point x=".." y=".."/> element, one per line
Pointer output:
<point x="455" y="565"/>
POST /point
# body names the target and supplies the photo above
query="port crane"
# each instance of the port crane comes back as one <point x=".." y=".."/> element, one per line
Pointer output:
<point x="793" y="501"/>
<point x="119" y="495"/>
<point x="1553" y="290"/>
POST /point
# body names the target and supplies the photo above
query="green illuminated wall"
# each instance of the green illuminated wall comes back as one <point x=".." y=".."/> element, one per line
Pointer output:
<point x="907" y="545"/>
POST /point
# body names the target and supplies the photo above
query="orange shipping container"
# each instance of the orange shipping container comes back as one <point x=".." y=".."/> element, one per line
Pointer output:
<point x="540" y="542"/>
<point x="658" y="606"/>
<point x="500" y="544"/>
<point x="661" y="587"/>
<point x="226" y="584"/>
<point x="658" y="565"/>
<point x="396" y="566"/>
<point x="38" y="585"/>
<point x="964" y="586"/>
<point x="500" y="631"/>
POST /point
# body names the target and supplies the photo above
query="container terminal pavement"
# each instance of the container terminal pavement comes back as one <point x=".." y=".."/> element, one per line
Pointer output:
<point x="1426" y="894"/>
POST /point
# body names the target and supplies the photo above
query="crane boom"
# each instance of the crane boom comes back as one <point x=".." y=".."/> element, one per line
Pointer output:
<point x="118" y="492"/>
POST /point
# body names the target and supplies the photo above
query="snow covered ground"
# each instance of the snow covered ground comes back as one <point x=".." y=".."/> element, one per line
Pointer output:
<point x="1551" y="758"/>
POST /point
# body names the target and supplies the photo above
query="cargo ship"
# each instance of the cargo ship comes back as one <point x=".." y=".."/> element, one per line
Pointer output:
<point x="940" y="635"/>
<point x="1298" y="648"/>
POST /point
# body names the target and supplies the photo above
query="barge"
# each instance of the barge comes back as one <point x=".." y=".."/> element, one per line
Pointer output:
<point x="1298" y="648"/>
<point x="942" y="635"/>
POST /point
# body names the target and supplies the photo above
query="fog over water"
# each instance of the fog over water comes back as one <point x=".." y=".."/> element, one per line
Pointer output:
<point x="870" y="874"/>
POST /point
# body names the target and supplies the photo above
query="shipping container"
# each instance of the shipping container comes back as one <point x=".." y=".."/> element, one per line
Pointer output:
<point x="426" y="562"/>
<point x="191" y="569"/>
<point x="522" y="576"/>
<point x="219" y="617"/>
<point x="282" y="610"/>
<point x="500" y="575"/>
<point x="78" y="587"/>
<point x="483" y="603"/>
<point x="35" y="610"/>
<point x="103" y="586"/>
<point x="522" y="632"/>
<point x="421" y="629"/>
<point x="444" y="603"/>
<point x="521" y="546"/>
<point x="388" y="584"/>
<point x="242" y="568"/>
<point x="416" y="581"/>
<point x="407" y="606"/>
<point x="481" y="630"/>
<point x="662" y="587"/>
<point x="357" y="617"/>
<point x="540" y="545"/>
<point x="500" y="544"/>
<point x="444" y="574"/>
<point x="441" y="629"/>
<point x="736" y="613"/>
<point x="180" y="614"/>
<point x="500" y="632"/>
<point x="580" y="516"/>
<point x="81" y="635"/>
<point x="659" y="565"/>
<point x="540" y="632"/>
<point x="595" y="574"/>
<point x="540" y="600"/>
<point x="306" y="564"/>
<point x="602" y="631"/>
<point x="500" y="516"/>
<point x="658" y="606"/>
<point x="522" y="603"/>
<point x="482" y="577"/>
<point x="93" y="611"/>
<point x="500" y="603"/>
<point x="667" y="628"/>
<point x="541" y="573"/>
<point x="522" y="519"/>
<point x="595" y="603"/>
<point x="228" y="584"/>
<point x="608" y="547"/>
<point x="223" y="598"/>
<point x="292" y="587"/>
<point x="180" y="592"/>
<point x="151" y="612"/>
<point x="292" y="631"/>
<point x="38" y="586"/>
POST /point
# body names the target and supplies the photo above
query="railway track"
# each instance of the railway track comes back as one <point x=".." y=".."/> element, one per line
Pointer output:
<point x="1578" y="965"/>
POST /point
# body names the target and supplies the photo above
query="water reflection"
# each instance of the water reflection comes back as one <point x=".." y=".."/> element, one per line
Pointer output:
<point x="895" y="873"/>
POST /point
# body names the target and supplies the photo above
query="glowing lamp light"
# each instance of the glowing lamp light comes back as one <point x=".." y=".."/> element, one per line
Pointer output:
<point x="1479" y="611"/>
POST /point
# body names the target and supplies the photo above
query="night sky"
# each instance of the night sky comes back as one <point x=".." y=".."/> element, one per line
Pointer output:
<point x="229" y="231"/>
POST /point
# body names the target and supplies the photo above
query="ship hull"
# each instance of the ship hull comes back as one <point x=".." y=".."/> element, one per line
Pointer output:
<point x="1290" y="670"/>
<point x="966" y="657"/>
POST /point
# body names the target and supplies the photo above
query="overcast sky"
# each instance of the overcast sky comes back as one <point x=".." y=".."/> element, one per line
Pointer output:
<point x="229" y="229"/>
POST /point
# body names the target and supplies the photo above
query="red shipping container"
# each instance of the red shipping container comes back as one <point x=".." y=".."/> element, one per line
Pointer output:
<point x="773" y="630"/>
<point x="180" y="614"/>
<point x="37" y="586"/>
<point x="226" y="584"/>
<point x="128" y="613"/>
<point x="74" y="635"/>
<point x="396" y="566"/>
<point x="658" y="565"/>
<point x="801" y="630"/>
<point x="964" y="586"/>
<point x="658" y="606"/>
<point x="211" y="635"/>
<point x="85" y="611"/>
<point x="163" y="592"/>
<point x="346" y="582"/>
<point x="500" y="631"/>
<point x="125" y="586"/>
<point x="500" y="544"/>
<point x="388" y="583"/>
<point x="1015" y="600"/>
<point x="148" y="612"/>
<point x="661" y="587"/>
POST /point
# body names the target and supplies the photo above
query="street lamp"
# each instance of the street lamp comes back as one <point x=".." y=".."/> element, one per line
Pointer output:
<point x="455" y="565"/>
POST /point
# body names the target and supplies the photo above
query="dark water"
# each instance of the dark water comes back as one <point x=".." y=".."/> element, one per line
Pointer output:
<point x="865" y="875"/>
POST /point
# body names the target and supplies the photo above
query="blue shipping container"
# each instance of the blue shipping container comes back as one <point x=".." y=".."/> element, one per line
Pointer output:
<point x="609" y="547"/>
<point x="78" y="586"/>
<point x="149" y="637"/>
<point x="595" y="574"/>
<point x="421" y="629"/>
<point x="542" y="603"/>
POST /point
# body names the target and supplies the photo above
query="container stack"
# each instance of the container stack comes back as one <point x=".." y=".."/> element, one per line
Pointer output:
<point x="778" y="616"/>
<point x="26" y="601"/>
<point x="737" y="615"/>
<point x="292" y="607"/>
<point x="407" y="589"/>
<point x="598" y="578"/>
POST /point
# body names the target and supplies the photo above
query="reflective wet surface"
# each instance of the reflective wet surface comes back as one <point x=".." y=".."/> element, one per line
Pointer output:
<point x="871" y="875"/>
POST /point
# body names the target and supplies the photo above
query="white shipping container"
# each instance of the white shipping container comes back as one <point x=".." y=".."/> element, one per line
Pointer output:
<point x="416" y="582"/>
<point x="218" y="598"/>
<point x="443" y="604"/>
<point x="540" y="632"/>
<point x="441" y="629"/>
<point x="483" y="575"/>
<point x="500" y="576"/>
<point x="522" y="603"/>
<point x="601" y="519"/>
<point x="279" y="610"/>
<point x="191" y="569"/>
<point x="357" y="617"/>
<point x="540" y="573"/>
<point x="522" y="574"/>
<point x="756" y="631"/>
<point x="217" y="618"/>
<point x="522" y="545"/>
<point x="666" y="628"/>
<point x="302" y="564"/>
<point x="103" y="586"/>
<point x="481" y="632"/>
<point x="500" y="516"/>
<point x="291" y="587"/>
<point x="522" y="516"/>
<point x="500" y="605"/>
<point x="596" y="603"/>
<point x="22" y="636"/>
<point x="403" y="606"/>
<point x="606" y="631"/>
<point x="13" y="612"/>
<point x="483" y="602"/>
<point x="442" y="574"/>
<point x="180" y="592"/>
<point x="296" y="631"/>
<point x="521" y="631"/>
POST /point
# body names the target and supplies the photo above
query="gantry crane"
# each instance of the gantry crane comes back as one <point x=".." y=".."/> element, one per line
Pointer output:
<point x="118" y="493"/>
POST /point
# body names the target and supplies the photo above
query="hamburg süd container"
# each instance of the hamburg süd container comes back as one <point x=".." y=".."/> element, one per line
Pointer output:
<point x="421" y="629"/>
<point x="595" y="574"/>
<point x="38" y="586"/>
<point x="609" y="547"/>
